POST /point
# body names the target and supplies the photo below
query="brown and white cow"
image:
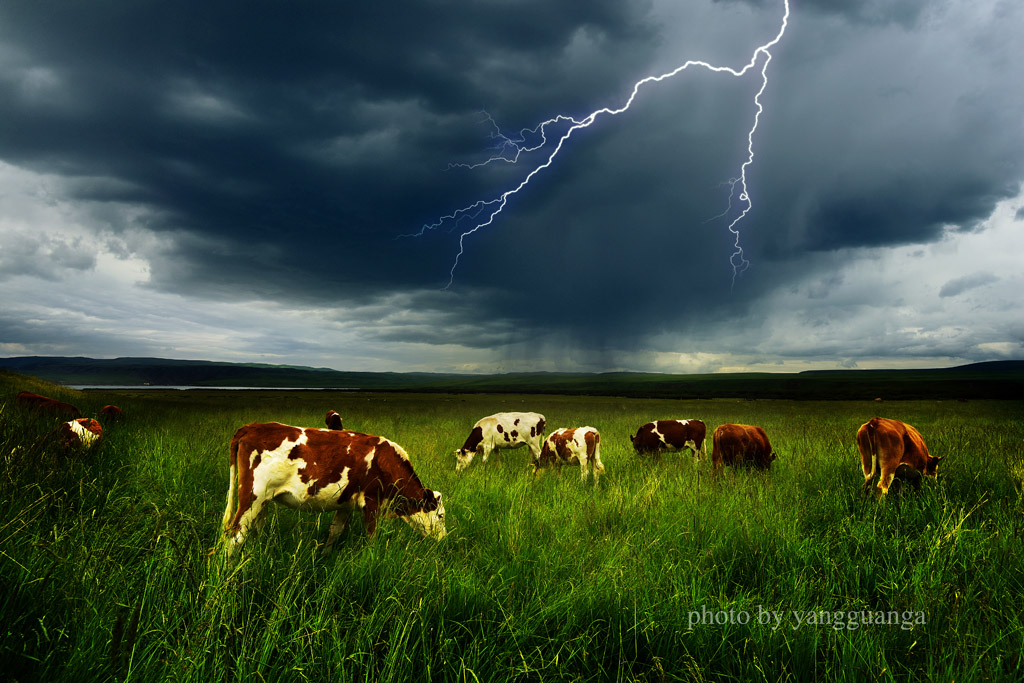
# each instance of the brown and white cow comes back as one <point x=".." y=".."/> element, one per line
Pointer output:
<point x="741" y="445"/>
<point x="47" y="405"/>
<point x="323" y="470"/>
<point x="77" y="435"/>
<point x="333" y="420"/>
<point x="111" y="413"/>
<point x="566" y="446"/>
<point x="892" y="448"/>
<point x="502" y="430"/>
<point x="671" y="435"/>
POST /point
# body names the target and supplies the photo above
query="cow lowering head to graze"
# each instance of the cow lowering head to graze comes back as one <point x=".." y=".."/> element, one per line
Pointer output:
<point x="111" y="413"/>
<point x="333" y="420"/>
<point x="46" y="405"/>
<point x="566" y="446"/>
<point x="77" y="435"/>
<point x="502" y="430"/>
<point x="742" y="446"/>
<point x="323" y="470"/>
<point x="671" y="435"/>
<point x="891" y="448"/>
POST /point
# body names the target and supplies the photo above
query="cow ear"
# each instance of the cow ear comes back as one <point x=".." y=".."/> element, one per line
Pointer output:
<point x="938" y="457"/>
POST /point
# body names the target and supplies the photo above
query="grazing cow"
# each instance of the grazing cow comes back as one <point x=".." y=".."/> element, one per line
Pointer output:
<point x="111" y="413"/>
<point x="49" y="406"/>
<point x="333" y="420"/>
<point x="321" y="470"/>
<point x="746" y="445"/>
<point x="502" y="430"/>
<point x="77" y="435"/>
<point x="671" y="435"/>
<point x="893" y="448"/>
<point x="565" y="446"/>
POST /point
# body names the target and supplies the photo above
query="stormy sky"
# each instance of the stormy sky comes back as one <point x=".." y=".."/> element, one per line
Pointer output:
<point x="237" y="181"/>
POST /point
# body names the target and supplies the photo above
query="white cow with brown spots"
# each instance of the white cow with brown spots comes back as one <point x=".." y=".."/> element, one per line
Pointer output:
<point x="502" y="430"/>
<point x="567" y="446"/>
<point x="323" y="470"/>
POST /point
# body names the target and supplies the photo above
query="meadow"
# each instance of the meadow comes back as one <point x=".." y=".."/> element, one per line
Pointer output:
<point x="661" y="573"/>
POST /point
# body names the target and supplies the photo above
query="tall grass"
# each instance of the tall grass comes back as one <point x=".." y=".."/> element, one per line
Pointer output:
<point x="107" y="574"/>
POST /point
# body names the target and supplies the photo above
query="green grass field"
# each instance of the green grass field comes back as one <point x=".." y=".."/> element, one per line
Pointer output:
<point x="106" y="572"/>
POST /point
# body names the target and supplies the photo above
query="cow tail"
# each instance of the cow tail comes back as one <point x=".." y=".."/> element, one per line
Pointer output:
<point x="598" y="465"/>
<point x="229" y="510"/>
<point x="870" y="442"/>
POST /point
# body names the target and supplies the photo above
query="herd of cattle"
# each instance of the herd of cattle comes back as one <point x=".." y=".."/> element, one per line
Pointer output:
<point x="337" y="469"/>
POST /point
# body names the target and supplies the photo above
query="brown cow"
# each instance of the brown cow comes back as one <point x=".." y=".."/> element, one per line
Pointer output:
<point x="77" y="435"/>
<point x="111" y="413"/>
<point x="321" y="470"/>
<point x="747" y="445"/>
<point x="671" y="435"/>
<point x="565" y="446"/>
<point x="893" y="448"/>
<point x="333" y="420"/>
<point x="47" y="405"/>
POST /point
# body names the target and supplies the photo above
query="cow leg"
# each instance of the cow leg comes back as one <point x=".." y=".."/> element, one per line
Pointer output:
<point x="253" y="520"/>
<point x="487" y="453"/>
<point x="885" y="481"/>
<point x="692" y="446"/>
<point x="584" y="467"/>
<point x="338" y="524"/>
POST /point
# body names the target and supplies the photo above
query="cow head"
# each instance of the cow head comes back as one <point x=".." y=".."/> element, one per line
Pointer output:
<point x="932" y="464"/>
<point x="462" y="458"/>
<point x="429" y="519"/>
<point x="333" y="420"/>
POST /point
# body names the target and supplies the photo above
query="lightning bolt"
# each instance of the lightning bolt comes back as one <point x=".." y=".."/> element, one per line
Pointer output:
<point x="482" y="213"/>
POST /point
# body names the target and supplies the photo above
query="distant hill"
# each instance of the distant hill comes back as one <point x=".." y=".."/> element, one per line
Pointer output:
<point x="995" y="380"/>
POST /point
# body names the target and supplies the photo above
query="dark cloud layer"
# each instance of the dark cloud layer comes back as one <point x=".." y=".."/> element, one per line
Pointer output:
<point x="280" y="149"/>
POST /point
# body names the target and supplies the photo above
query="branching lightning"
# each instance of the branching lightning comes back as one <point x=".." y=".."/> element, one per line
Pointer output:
<point x="482" y="213"/>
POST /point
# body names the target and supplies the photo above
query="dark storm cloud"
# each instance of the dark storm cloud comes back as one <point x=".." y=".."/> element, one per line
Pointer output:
<point x="279" y="150"/>
<point x="316" y="130"/>
<point x="904" y="12"/>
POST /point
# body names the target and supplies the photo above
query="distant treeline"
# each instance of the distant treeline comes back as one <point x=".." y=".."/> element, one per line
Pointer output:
<point x="992" y="380"/>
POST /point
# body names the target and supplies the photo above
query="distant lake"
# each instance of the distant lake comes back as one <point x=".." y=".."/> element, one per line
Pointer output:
<point x="185" y="387"/>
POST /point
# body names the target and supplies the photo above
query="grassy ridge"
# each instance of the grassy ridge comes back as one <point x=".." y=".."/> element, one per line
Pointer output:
<point x="106" y="575"/>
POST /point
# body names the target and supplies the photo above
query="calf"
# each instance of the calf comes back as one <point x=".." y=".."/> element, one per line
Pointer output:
<point x="893" y="448"/>
<point x="333" y="420"/>
<point x="502" y="430"/>
<point x="47" y="405"/>
<point x="565" y="446"/>
<point x="323" y="470"/>
<point x="671" y="435"/>
<point x="746" y="445"/>
<point x="77" y="435"/>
